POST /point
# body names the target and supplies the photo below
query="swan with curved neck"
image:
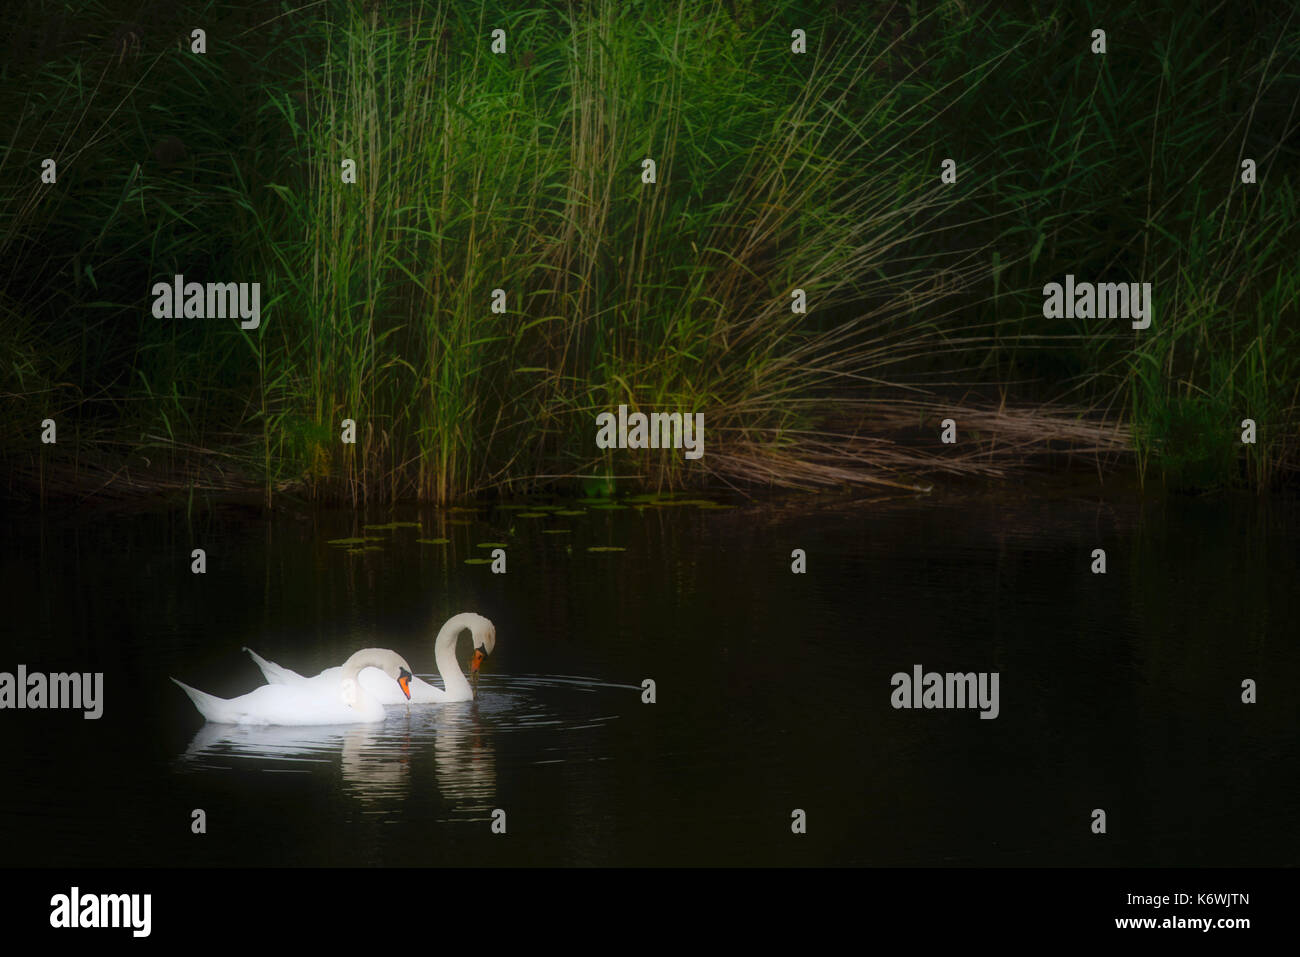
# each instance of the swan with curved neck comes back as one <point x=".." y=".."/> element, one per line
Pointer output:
<point x="456" y="687"/>
<point x="345" y="700"/>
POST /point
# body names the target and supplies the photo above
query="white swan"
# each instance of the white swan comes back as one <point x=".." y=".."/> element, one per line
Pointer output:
<point x="345" y="701"/>
<point x="457" y="687"/>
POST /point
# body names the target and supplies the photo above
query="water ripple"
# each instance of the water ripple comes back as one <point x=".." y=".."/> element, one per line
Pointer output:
<point x="376" y="761"/>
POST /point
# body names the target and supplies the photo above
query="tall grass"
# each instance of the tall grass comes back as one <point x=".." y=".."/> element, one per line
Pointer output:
<point x="521" y="171"/>
<point x="1135" y="175"/>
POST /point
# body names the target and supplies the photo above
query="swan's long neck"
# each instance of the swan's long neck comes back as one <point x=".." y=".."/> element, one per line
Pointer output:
<point x="444" y="653"/>
<point x="349" y="680"/>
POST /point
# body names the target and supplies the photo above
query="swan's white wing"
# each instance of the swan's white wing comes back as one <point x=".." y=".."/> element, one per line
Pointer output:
<point x="377" y="685"/>
<point x="281" y="704"/>
<point x="276" y="674"/>
<point x="327" y="681"/>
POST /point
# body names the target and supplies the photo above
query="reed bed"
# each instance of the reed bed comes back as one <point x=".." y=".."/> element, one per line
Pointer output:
<point x="522" y="172"/>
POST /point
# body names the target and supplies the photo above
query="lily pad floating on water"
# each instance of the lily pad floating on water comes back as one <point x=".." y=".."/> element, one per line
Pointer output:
<point x="571" y="511"/>
<point x="478" y="561"/>
<point x="605" y="548"/>
<point x="346" y="541"/>
<point x="491" y="545"/>
<point x="532" y="515"/>
<point x="556" y="531"/>
<point x="433" y="541"/>
<point x="609" y="506"/>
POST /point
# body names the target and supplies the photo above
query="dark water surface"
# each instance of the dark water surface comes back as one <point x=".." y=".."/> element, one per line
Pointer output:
<point x="1119" y="691"/>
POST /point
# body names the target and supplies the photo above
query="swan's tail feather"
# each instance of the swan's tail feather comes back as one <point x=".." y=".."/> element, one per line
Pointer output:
<point x="210" y="706"/>
<point x="273" y="673"/>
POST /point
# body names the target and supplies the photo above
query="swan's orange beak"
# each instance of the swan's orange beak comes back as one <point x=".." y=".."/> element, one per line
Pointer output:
<point x="405" y="682"/>
<point x="473" y="669"/>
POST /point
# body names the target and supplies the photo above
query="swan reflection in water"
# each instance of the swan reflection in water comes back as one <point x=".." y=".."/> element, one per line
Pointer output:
<point x="376" y="760"/>
<point x="384" y="763"/>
